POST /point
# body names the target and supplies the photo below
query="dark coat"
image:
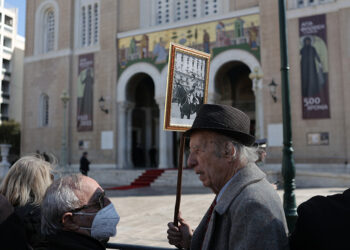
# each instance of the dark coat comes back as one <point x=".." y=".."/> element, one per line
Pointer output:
<point x="248" y="216"/>
<point x="65" y="240"/>
<point x="84" y="165"/>
<point x="13" y="234"/>
<point x="323" y="223"/>
<point x="31" y="216"/>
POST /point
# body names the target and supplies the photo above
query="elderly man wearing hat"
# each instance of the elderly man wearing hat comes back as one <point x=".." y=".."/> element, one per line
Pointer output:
<point x="247" y="212"/>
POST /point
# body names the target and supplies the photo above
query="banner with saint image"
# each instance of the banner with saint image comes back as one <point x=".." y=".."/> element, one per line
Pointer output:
<point x="85" y="92"/>
<point x="314" y="67"/>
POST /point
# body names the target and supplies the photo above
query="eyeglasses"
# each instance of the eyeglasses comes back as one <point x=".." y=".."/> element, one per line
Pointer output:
<point x="100" y="203"/>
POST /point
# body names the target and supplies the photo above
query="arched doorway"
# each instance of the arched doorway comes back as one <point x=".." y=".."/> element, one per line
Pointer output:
<point x="125" y="91"/>
<point x="143" y="121"/>
<point x="234" y="88"/>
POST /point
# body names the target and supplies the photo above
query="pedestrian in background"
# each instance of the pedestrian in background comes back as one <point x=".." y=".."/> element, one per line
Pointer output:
<point x="84" y="164"/>
<point x="247" y="212"/>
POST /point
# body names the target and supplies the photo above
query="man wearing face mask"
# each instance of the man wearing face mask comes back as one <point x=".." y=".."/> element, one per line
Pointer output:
<point x="77" y="215"/>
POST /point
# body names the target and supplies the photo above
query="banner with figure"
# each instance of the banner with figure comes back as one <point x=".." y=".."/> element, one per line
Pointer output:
<point x="85" y="92"/>
<point x="314" y="67"/>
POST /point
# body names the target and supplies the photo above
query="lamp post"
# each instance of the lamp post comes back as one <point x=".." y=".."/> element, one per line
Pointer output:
<point x="256" y="77"/>
<point x="288" y="168"/>
<point x="64" y="98"/>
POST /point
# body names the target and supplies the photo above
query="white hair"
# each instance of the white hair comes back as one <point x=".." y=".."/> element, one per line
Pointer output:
<point x="59" y="199"/>
<point x="244" y="153"/>
<point x="27" y="181"/>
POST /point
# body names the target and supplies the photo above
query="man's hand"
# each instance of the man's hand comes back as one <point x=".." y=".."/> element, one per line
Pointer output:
<point x="180" y="236"/>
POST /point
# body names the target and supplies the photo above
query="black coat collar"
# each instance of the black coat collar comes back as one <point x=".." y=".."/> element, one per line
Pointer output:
<point x="66" y="240"/>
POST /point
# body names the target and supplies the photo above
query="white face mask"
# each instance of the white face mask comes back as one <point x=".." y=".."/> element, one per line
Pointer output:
<point x="104" y="224"/>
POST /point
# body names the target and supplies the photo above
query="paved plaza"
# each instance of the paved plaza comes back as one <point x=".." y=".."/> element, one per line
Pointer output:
<point x="145" y="212"/>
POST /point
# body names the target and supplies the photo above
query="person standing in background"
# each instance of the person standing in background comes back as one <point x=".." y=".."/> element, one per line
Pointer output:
<point x="84" y="164"/>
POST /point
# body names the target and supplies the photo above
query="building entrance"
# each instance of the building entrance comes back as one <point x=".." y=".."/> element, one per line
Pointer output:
<point x="144" y="122"/>
<point x="234" y="88"/>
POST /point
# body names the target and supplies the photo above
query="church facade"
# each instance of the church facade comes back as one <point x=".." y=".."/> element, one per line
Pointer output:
<point x="111" y="58"/>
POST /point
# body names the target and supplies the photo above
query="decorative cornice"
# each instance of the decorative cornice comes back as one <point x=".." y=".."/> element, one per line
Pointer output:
<point x="49" y="55"/>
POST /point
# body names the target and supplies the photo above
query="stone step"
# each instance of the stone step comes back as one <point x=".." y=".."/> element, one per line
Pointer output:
<point x="115" y="177"/>
<point x="148" y="177"/>
<point x="169" y="179"/>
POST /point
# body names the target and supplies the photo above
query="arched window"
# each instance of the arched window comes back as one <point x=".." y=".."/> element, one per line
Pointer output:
<point x="44" y="110"/>
<point x="49" y="31"/>
<point x="46" y="27"/>
<point x="89" y="17"/>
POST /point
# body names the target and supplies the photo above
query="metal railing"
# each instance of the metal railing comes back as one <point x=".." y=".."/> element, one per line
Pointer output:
<point x="134" y="247"/>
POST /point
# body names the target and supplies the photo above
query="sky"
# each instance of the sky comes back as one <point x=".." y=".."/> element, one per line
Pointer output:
<point x="21" y="5"/>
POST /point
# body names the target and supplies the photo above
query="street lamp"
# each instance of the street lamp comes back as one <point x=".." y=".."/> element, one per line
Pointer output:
<point x="101" y="103"/>
<point x="256" y="77"/>
<point x="288" y="168"/>
<point x="64" y="98"/>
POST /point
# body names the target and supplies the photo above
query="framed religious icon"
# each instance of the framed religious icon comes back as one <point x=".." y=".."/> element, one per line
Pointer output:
<point x="187" y="86"/>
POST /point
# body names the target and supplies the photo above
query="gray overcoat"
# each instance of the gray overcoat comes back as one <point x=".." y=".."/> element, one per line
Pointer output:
<point x="248" y="216"/>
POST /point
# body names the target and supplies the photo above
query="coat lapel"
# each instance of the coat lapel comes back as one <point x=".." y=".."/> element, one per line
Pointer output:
<point x="200" y="231"/>
<point x="246" y="176"/>
<point x="202" y="238"/>
<point x="209" y="233"/>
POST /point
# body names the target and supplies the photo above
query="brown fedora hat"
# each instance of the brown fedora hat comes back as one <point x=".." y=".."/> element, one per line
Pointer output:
<point x="224" y="120"/>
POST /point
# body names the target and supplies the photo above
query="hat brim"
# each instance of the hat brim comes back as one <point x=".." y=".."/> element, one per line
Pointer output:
<point x="245" y="139"/>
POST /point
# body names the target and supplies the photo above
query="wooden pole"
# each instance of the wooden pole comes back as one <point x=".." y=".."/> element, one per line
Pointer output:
<point x="179" y="179"/>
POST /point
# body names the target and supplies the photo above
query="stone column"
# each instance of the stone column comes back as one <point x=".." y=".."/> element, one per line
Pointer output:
<point x="259" y="120"/>
<point x="129" y="108"/>
<point x="256" y="77"/>
<point x="165" y="144"/>
<point x="122" y="135"/>
<point x="148" y="139"/>
<point x="4" y="164"/>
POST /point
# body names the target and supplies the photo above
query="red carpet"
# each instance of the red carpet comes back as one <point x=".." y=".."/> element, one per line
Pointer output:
<point x="144" y="180"/>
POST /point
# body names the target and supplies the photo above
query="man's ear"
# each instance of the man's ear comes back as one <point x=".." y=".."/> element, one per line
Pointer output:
<point x="230" y="151"/>
<point x="68" y="222"/>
